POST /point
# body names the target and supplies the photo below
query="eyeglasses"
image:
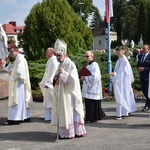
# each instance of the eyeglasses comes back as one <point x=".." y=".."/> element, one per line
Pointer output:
<point x="86" y="56"/>
<point x="58" y="55"/>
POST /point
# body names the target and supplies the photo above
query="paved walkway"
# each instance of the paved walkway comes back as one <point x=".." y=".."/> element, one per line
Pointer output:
<point x="131" y="133"/>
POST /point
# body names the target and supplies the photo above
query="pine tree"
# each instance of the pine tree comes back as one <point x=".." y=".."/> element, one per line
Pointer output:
<point x="96" y="19"/>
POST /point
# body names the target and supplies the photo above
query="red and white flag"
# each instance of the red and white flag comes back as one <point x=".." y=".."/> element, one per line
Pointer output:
<point x="109" y="10"/>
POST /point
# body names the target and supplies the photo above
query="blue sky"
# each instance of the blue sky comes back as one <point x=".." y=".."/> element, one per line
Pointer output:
<point x="17" y="10"/>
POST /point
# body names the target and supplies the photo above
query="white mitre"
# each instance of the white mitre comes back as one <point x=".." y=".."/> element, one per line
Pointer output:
<point x="60" y="47"/>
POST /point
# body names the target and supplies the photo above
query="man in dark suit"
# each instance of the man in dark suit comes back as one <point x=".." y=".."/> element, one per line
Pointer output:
<point x="138" y="53"/>
<point x="143" y="67"/>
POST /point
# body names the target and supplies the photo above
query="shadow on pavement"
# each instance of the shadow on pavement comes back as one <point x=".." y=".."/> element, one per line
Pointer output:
<point x="33" y="120"/>
<point x="29" y="136"/>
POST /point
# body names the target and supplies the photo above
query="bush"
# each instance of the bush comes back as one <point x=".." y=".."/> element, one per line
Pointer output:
<point x="37" y="68"/>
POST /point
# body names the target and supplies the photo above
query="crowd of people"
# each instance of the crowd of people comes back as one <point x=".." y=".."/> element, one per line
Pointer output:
<point x="62" y="94"/>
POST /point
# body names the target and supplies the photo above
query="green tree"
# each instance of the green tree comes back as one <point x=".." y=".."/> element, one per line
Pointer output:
<point x="129" y="27"/>
<point x="142" y="19"/>
<point x="11" y="41"/>
<point x="96" y="18"/>
<point x="50" y="20"/>
<point x="135" y="20"/>
<point x="20" y="39"/>
<point x="118" y="8"/>
<point x="148" y="24"/>
<point x="86" y="7"/>
<point x="91" y="13"/>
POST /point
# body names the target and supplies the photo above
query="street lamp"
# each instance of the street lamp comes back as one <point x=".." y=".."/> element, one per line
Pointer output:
<point x="80" y="4"/>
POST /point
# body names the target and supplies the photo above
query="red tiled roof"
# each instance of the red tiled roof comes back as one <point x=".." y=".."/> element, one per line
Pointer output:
<point x="10" y="29"/>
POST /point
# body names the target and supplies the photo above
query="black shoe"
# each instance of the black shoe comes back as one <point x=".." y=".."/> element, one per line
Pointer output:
<point x="11" y="122"/>
<point x="47" y="121"/>
<point x="27" y="120"/>
<point x="79" y="136"/>
<point x="145" y="109"/>
<point x="87" y="121"/>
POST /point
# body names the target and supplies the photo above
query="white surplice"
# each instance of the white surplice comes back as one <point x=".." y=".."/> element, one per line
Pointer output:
<point x="122" y="85"/>
<point x="67" y="106"/>
<point x="20" y="95"/>
<point x="48" y="94"/>
<point x="92" y="86"/>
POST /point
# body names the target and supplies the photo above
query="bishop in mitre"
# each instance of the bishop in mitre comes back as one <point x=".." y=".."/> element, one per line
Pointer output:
<point x="67" y="109"/>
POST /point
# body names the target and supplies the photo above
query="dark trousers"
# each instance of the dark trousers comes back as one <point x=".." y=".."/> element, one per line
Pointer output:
<point x="144" y="88"/>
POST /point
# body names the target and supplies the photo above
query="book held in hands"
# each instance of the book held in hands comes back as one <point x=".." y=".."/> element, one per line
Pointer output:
<point x="84" y="72"/>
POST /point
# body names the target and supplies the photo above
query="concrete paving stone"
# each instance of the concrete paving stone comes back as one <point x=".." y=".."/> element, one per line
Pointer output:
<point x="131" y="133"/>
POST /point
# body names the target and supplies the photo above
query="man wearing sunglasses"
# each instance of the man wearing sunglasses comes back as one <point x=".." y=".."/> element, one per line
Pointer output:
<point x="92" y="90"/>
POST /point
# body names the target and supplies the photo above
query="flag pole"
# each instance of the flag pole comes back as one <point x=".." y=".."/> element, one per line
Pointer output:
<point x="109" y="13"/>
<point x="109" y="63"/>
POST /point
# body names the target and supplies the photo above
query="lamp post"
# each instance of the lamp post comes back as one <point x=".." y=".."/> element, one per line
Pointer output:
<point x="80" y="4"/>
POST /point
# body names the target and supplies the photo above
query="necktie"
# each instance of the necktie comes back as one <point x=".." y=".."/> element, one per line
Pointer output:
<point x="143" y="57"/>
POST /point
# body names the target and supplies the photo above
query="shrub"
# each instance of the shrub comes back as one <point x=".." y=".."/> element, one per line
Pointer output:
<point x="37" y="68"/>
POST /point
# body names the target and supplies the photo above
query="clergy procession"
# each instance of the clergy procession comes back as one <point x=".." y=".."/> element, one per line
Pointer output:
<point x="62" y="56"/>
<point x="72" y="99"/>
<point x="66" y="105"/>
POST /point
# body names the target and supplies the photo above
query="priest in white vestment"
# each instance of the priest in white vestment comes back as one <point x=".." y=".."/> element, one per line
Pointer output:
<point x="67" y="109"/>
<point x="20" y="95"/>
<point x="122" y="79"/>
<point x="46" y="85"/>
